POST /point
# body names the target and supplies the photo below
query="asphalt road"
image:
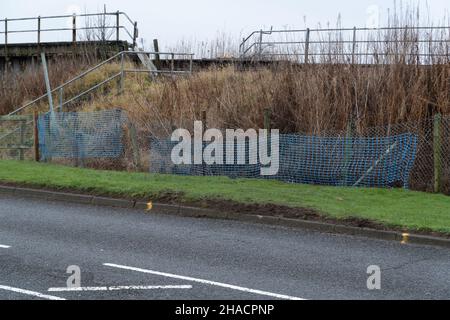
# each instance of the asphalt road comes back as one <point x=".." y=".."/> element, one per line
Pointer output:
<point x="125" y="254"/>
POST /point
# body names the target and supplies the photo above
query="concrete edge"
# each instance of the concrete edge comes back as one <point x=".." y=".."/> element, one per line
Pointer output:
<point x="194" y="212"/>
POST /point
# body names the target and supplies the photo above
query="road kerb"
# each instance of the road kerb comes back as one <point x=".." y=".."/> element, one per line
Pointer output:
<point x="186" y="211"/>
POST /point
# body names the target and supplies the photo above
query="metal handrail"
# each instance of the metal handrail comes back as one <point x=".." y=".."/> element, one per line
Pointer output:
<point x="64" y="16"/>
<point x="121" y="74"/>
<point x="249" y="43"/>
<point x="133" y="36"/>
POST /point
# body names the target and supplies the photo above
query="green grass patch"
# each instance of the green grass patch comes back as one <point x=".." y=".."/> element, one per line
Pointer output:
<point x="392" y="207"/>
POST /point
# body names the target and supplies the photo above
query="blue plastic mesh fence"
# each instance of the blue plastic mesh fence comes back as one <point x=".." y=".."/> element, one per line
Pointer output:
<point x="81" y="135"/>
<point x="335" y="161"/>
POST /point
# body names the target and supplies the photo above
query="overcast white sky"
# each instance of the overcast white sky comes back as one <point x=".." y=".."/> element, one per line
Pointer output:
<point x="171" y="21"/>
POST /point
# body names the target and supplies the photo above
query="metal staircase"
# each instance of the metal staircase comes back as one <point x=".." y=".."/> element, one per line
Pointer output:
<point x="143" y="56"/>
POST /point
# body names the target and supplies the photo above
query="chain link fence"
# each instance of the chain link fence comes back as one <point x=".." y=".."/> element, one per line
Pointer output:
<point x="335" y="161"/>
<point x="414" y="155"/>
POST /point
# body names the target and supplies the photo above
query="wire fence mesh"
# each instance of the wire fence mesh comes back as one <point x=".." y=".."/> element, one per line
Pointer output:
<point x="414" y="154"/>
<point x="80" y="136"/>
<point x="337" y="161"/>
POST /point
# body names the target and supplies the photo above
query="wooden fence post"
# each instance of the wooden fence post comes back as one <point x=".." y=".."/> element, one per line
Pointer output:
<point x="36" y="136"/>
<point x="267" y="119"/>
<point x="22" y="129"/>
<point x="157" y="56"/>
<point x="437" y="152"/>
<point x="268" y="127"/>
<point x="348" y="150"/>
<point x="205" y="127"/>
<point x="134" y="146"/>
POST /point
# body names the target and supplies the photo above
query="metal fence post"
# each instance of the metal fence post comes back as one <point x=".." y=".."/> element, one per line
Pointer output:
<point x="354" y="45"/>
<point x="118" y="26"/>
<point x="47" y="82"/>
<point x="122" y="73"/>
<point x="308" y="31"/>
<point x="61" y="99"/>
<point x="172" y="64"/>
<point x="260" y="44"/>
<point x="6" y="41"/>
<point x="191" y="64"/>
<point x="39" y="31"/>
<point x="437" y="152"/>
<point x="157" y="56"/>
<point x="74" y="28"/>
<point x="135" y="35"/>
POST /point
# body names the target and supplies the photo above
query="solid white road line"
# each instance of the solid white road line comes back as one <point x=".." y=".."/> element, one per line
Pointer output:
<point x="117" y="288"/>
<point x="212" y="283"/>
<point x="30" y="293"/>
<point x="4" y="247"/>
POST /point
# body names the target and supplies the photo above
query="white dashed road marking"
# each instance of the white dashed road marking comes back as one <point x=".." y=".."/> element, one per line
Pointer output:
<point x="118" y="288"/>
<point x="4" y="247"/>
<point x="212" y="283"/>
<point x="30" y="293"/>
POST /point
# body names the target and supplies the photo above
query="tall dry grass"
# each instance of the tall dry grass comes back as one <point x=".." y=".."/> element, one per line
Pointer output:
<point x="17" y="87"/>
<point x="309" y="99"/>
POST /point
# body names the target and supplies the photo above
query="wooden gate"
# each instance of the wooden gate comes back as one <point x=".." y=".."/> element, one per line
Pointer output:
<point x="18" y="139"/>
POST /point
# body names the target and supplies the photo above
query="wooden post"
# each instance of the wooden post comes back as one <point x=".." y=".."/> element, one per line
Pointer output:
<point x="22" y="129"/>
<point x="134" y="146"/>
<point x="268" y="127"/>
<point x="267" y="119"/>
<point x="157" y="56"/>
<point x="348" y="151"/>
<point x="204" y="119"/>
<point x="36" y="136"/>
<point x="74" y="28"/>
<point x="172" y="64"/>
<point x="308" y="32"/>
<point x="205" y="127"/>
<point x="437" y="152"/>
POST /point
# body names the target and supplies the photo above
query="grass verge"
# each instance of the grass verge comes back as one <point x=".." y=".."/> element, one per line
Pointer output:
<point x="396" y="208"/>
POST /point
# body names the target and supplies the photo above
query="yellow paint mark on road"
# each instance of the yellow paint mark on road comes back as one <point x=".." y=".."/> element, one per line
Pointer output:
<point x="149" y="206"/>
<point x="405" y="238"/>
